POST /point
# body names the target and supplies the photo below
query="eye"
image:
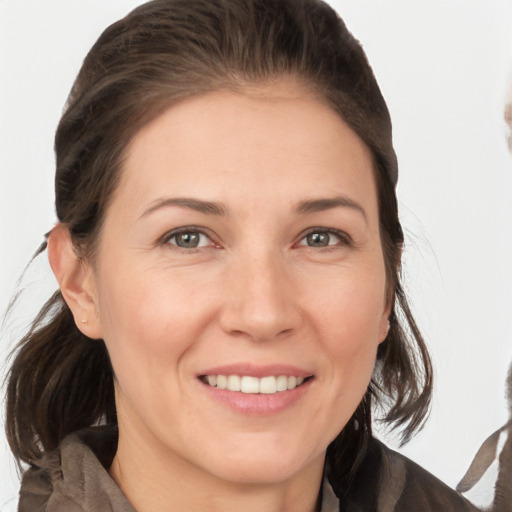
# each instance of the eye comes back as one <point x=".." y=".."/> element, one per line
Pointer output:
<point x="321" y="238"/>
<point x="188" y="239"/>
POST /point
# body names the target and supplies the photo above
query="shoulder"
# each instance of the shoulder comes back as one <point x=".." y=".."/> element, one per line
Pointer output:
<point x="74" y="477"/>
<point x="387" y="481"/>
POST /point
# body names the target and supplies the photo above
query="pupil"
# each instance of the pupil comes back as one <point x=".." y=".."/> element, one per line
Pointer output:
<point x="189" y="240"/>
<point x="318" y="239"/>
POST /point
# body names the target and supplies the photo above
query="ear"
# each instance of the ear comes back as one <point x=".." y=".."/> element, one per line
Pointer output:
<point x="384" y="322"/>
<point x="76" y="281"/>
<point x="390" y="298"/>
<point x="384" y="325"/>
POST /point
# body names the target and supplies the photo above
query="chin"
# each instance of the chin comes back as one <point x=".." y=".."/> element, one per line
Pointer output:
<point x="257" y="472"/>
<point x="263" y="465"/>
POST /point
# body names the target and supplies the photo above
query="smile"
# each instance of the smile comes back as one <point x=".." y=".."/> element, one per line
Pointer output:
<point x="254" y="385"/>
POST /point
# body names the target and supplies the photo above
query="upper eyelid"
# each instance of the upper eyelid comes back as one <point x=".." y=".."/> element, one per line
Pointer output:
<point x="338" y="232"/>
<point x="186" y="229"/>
<point x="343" y="235"/>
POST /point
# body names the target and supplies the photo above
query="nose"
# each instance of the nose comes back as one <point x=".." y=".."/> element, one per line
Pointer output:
<point x="261" y="300"/>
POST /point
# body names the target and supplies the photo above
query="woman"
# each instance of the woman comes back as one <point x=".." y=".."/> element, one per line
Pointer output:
<point x="227" y="253"/>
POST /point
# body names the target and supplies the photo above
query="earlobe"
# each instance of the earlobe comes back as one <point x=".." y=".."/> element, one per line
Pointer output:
<point x="385" y="331"/>
<point x="385" y="325"/>
<point x="76" y="281"/>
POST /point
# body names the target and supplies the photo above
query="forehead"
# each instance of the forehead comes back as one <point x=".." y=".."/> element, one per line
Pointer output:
<point x="279" y="139"/>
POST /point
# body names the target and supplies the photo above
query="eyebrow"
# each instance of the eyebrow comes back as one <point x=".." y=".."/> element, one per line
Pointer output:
<point x="323" y="204"/>
<point x="207" y="207"/>
<point x="215" y="208"/>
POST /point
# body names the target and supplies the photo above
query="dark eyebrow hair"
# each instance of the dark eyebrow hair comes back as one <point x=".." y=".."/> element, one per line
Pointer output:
<point x="322" y="204"/>
<point x="214" y="208"/>
<point x="208" y="207"/>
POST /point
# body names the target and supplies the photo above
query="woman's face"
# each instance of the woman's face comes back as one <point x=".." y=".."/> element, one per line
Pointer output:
<point x="242" y="249"/>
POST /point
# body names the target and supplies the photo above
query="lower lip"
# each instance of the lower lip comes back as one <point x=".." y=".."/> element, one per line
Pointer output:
<point x="258" y="403"/>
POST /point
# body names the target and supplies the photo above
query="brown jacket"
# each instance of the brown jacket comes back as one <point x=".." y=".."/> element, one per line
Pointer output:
<point x="74" y="479"/>
<point x="386" y="481"/>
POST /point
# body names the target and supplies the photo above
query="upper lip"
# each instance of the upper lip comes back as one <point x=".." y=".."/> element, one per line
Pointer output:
<point x="259" y="371"/>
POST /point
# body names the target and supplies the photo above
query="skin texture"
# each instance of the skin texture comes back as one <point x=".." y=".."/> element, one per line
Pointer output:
<point x="253" y="292"/>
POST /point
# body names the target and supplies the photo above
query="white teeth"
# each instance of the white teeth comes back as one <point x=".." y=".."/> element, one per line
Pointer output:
<point x="222" y="382"/>
<point x="268" y="385"/>
<point x="234" y="383"/>
<point x="282" y="383"/>
<point x="292" y="382"/>
<point x="247" y="384"/>
<point x="250" y="385"/>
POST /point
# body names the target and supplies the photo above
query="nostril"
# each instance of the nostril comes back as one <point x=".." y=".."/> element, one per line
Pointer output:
<point x="259" y="325"/>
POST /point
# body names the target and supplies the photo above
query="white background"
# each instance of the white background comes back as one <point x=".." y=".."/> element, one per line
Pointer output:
<point x="444" y="68"/>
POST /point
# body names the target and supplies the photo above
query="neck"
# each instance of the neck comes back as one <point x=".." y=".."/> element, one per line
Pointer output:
<point x="155" y="481"/>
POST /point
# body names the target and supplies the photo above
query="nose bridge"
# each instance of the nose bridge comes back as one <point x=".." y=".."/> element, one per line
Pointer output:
<point x="262" y="303"/>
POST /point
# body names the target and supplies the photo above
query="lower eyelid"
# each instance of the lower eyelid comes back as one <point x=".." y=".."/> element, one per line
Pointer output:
<point x="169" y="237"/>
<point x="343" y="238"/>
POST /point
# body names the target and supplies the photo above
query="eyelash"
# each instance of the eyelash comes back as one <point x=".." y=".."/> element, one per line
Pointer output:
<point x="165" y="240"/>
<point x="345" y="239"/>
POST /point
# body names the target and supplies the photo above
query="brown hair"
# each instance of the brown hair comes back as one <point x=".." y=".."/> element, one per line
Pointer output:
<point x="161" y="53"/>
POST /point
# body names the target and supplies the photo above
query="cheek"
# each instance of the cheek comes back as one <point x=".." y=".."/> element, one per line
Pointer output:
<point x="148" y="324"/>
<point x="348" y="319"/>
<point x="351" y="305"/>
